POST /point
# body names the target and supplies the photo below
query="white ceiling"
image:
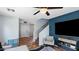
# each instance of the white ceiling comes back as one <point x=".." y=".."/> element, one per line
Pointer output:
<point x="26" y="13"/>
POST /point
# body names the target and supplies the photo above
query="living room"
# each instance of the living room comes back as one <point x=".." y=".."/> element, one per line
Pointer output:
<point x="26" y="28"/>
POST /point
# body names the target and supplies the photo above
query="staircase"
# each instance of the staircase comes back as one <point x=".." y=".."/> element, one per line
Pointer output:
<point x="44" y="26"/>
<point x="41" y="29"/>
<point x="43" y="33"/>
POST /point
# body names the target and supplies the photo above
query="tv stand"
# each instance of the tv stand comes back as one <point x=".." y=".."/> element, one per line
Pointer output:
<point x="67" y="43"/>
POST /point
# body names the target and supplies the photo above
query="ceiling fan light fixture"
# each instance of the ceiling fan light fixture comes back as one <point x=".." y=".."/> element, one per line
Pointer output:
<point x="43" y="10"/>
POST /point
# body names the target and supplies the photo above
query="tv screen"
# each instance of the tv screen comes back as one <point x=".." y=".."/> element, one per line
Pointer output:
<point x="69" y="28"/>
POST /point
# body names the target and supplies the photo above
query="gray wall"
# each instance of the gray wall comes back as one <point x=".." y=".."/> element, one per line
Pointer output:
<point x="37" y="27"/>
<point x="9" y="28"/>
<point x="1" y="31"/>
<point x="43" y="35"/>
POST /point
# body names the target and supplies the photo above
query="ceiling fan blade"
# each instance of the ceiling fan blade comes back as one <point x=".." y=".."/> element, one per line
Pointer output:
<point x="54" y="7"/>
<point x="47" y="13"/>
<point x="49" y="7"/>
<point x="36" y="12"/>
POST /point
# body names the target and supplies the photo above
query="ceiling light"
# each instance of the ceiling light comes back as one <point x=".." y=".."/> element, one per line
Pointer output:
<point x="43" y="10"/>
<point x="11" y="10"/>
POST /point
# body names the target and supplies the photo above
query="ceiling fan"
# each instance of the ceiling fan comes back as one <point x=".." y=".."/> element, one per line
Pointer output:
<point x="45" y="10"/>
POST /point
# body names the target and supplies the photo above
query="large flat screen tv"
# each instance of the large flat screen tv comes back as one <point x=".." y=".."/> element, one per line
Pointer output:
<point x="69" y="28"/>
